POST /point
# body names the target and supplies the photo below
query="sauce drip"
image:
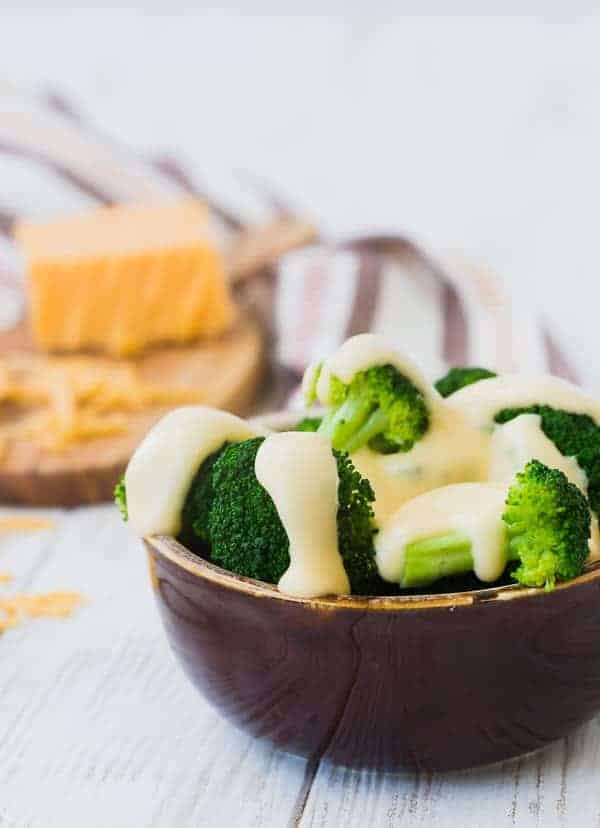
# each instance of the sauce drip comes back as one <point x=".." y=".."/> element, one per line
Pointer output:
<point x="480" y="401"/>
<point x="365" y="351"/>
<point x="161" y="470"/>
<point x="471" y="509"/>
<point x="451" y="451"/>
<point x="299" y="472"/>
<point x="515" y="443"/>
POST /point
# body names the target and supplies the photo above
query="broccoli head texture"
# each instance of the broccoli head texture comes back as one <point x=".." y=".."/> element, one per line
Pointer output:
<point x="246" y="534"/>
<point x="356" y="529"/>
<point x="548" y="522"/>
<point x="459" y="377"/>
<point x="574" y="435"/>
<point x="196" y="507"/>
<point x="379" y="407"/>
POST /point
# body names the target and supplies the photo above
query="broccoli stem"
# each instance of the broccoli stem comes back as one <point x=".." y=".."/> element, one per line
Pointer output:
<point x="373" y="425"/>
<point x="342" y="424"/>
<point x="430" y="559"/>
<point x="354" y="424"/>
<point x="442" y="556"/>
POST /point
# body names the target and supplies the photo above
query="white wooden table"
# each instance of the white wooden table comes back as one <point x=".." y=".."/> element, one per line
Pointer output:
<point x="480" y="133"/>
<point x="98" y="726"/>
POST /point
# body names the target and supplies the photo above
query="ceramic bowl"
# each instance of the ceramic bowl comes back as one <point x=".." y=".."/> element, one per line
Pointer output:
<point x="438" y="682"/>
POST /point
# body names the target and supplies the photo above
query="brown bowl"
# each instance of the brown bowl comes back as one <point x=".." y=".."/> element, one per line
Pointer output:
<point x="438" y="682"/>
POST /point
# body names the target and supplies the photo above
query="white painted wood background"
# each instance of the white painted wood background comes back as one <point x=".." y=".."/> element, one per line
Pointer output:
<point x="98" y="727"/>
<point x="482" y="133"/>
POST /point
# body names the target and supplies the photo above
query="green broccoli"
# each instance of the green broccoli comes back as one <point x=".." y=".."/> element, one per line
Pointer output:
<point x="548" y="523"/>
<point x="194" y="515"/>
<point x="120" y="496"/>
<point x="246" y="535"/>
<point x="380" y="407"/>
<point x="308" y="424"/>
<point x="459" y="377"/>
<point x="547" y="532"/>
<point x="574" y="435"/>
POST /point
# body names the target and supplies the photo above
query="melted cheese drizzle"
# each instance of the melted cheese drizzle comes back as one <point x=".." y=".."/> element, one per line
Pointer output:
<point x="361" y="352"/>
<point x="480" y="401"/>
<point x="161" y="470"/>
<point x="472" y="509"/>
<point x="451" y="451"/>
<point x="515" y="443"/>
<point x="418" y="493"/>
<point x="299" y="472"/>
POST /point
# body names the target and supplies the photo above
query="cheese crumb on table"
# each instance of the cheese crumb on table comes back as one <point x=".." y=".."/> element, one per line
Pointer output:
<point x="18" y="523"/>
<point x="15" y="609"/>
<point x="125" y="278"/>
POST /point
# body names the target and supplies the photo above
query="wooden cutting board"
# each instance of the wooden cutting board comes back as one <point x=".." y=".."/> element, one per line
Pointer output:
<point x="228" y="372"/>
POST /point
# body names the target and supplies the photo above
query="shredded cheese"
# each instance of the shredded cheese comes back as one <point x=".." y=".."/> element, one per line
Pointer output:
<point x="15" y="609"/>
<point x="57" y="401"/>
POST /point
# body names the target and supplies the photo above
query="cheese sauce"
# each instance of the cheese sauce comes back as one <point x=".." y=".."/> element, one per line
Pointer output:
<point x="515" y="443"/>
<point x="365" y="351"/>
<point x="299" y="472"/>
<point x="421" y="493"/>
<point x="161" y="470"/>
<point x="480" y="401"/>
<point x="451" y="451"/>
<point x="472" y="509"/>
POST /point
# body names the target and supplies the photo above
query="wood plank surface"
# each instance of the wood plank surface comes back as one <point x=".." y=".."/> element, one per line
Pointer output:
<point x="98" y="726"/>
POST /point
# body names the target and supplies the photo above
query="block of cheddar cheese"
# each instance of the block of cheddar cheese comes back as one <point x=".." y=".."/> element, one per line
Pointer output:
<point x="123" y="279"/>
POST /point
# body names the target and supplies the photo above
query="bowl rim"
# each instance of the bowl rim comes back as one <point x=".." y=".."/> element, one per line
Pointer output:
<point x="169" y="548"/>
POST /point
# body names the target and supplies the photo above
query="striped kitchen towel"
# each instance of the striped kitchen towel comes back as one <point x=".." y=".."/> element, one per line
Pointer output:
<point x="443" y="311"/>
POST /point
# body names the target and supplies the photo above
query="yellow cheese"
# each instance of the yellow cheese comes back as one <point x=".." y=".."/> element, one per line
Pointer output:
<point x="122" y="279"/>
<point x="58" y="401"/>
<point x="24" y="523"/>
<point x="16" y="608"/>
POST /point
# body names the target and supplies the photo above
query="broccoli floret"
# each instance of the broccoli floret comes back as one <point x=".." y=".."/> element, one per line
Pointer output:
<point x="247" y="536"/>
<point x="574" y="435"/>
<point x="548" y="524"/>
<point x="459" y="377"/>
<point x="547" y="528"/>
<point x="356" y="530"/>
<point x="308" y="424"/>
<point x="120" y="496"/>
<point x="380" y="407"/>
